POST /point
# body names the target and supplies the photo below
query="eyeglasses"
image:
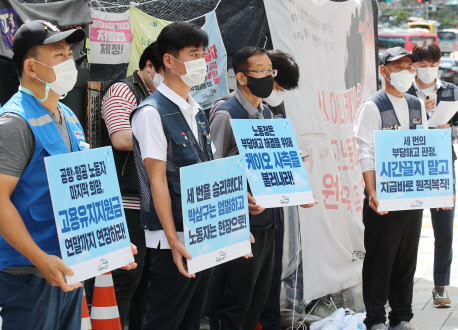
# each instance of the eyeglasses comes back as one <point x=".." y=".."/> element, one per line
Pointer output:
<point x="264" y="73"/>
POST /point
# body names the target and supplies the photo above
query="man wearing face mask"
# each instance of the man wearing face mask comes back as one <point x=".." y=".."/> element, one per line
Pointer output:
<point x="390" y="238"/>
<point x="241" y="301"/>
<point x="170" y="130"/>
<point x="431" y="90"/>
<point x="34" y="125"/>
<point x="118" y="103"/>
<point x="287" y="79"/>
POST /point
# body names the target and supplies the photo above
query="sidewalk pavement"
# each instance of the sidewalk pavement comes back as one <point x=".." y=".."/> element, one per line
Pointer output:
<point x="426" y="316"/>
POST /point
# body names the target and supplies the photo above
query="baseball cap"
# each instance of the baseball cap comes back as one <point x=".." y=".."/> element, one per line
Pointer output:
<point x="395" y="53"/>
<point x="41" y="32"/>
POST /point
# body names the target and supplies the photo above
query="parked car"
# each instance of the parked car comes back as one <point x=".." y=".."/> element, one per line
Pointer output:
<point x="448" y="70"/>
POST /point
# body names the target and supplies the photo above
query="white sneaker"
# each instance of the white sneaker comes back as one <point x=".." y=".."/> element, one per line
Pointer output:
<point x="378" y="326"/>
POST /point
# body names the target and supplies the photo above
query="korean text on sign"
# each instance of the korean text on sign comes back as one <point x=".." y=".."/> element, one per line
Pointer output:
<point x="215" y="212"/>
<point x="413" y="169"/>
<point x="274" y="166"/>
<point x="87" y="205"/>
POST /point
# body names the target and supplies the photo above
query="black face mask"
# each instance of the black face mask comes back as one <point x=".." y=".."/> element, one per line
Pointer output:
<point x="261" y="87"/>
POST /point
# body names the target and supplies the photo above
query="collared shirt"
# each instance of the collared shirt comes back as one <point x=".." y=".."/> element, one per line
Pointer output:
<point x="148" y="130"/>
<point x="253" y="112"/>
<point x="421" y="94"/>
<point x="368" y="120"/>
<point x="221" y="128"/>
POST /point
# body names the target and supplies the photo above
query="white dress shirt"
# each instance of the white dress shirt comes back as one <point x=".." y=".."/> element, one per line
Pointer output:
<point x="421" y="94"/>
<point x="148" y="130"/>
<point x="368" y="120"/>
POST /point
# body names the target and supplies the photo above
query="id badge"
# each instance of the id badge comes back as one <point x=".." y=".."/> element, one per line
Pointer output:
<point x="416" y="121"/>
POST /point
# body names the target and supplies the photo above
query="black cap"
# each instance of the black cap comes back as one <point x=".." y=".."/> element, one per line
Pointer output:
<point x="395" y="53"/>
<point x="40" y="32"/>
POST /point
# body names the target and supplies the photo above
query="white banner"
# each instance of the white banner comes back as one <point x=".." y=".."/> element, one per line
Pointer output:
<point x="333" y="44"/>
<point x="110" y="37"/>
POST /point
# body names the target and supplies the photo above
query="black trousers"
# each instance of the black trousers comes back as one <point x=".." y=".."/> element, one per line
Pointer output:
<point x="173" y="301"/>
<point x="391" y="243"/>
<point x="442" y="221"/>
<point x="271" y="317"/>
<point x="126" y="281"/>
<point x="245" y="284"/>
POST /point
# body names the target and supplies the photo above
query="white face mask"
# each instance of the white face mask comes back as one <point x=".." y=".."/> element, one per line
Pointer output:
<point x="276" y="98"/>
<point x="196" y="72"/>
<point x="157" y="79"/>
<point x="427" y="75"/>
<point x="66" y="75"/>
<point x="401" y="80"/>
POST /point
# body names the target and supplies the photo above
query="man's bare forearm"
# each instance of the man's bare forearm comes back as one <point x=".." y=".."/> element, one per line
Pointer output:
<point x="369" y="180"/>
<point x="156" y="170"/>
<point x="163" y="206"/>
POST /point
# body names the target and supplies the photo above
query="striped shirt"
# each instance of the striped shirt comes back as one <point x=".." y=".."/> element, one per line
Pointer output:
<point x="117" y="104"/>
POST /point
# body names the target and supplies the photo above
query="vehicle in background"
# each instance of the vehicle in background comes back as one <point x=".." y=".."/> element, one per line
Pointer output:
<point x="404" y="39"/>
<point x="448" y="70"/>
<point x="447" y="40"/>
<point x="431" y="27"/>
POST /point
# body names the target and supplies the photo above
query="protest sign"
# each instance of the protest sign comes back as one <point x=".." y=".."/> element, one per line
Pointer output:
<point x="274" y="166"/>
<point x="413" y="169"/>
<point x="215" y="85"/>
<point x="110" y="37"/>
<point x="215" y="212"/>
<point x="338" y="36"/>
<point x="90" y="220"/>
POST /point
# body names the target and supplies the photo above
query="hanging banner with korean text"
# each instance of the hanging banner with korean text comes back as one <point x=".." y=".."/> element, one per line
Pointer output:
<point x="146" y="30"/>
<point x="274" y="165"/>
<point x="90" y="220"/>
<point x="334" y="46"/>
<point x="110" y="37"/>
<point x="215" y="85"/>
<point x="8" y="25"/>
<point x="413" y="169"/>
<point x="215" y="212"/>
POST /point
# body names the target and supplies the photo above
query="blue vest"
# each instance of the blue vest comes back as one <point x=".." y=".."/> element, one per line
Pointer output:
<point x="272" y="216"/>
<point x="447" y="92"/>
<point x="237" y="111"/>
<point x="31" y="196"/>
<point x="183" y="149"/>
<point x="389" y="118"/>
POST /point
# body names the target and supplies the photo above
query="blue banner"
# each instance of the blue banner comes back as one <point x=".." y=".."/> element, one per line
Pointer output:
<point x="215" y="85"/>
<point x="215" y="212"/>
<point x="413" y="169"/>
<point x="274" y="165"/>
<point x="89" y="215"/>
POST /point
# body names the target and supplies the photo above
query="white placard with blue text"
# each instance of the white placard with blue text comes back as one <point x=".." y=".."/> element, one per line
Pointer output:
<point x="413" y="169"/>
<point x="90" y="219"/>
<point x="215" y="212"/>
<point x="274" y="165"/>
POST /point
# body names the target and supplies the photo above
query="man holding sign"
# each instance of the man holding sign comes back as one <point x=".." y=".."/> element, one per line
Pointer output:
<point x="432" y="91"/>
<point x="241" y="302"/>
<point x="34" y="125"/>
<point x="391" y="239"/>
<point x="171" y="131"/>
